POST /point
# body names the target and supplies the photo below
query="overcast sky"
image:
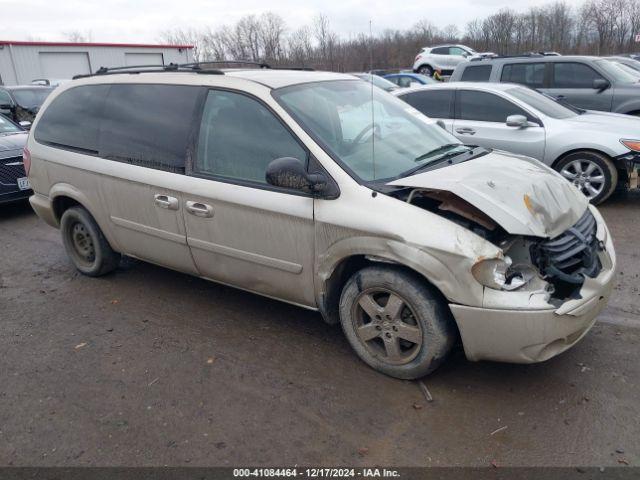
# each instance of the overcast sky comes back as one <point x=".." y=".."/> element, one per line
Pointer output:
<point x="143" y="20"/>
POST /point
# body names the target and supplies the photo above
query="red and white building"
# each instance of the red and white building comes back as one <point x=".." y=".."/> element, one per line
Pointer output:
<point x="22" y="62"/>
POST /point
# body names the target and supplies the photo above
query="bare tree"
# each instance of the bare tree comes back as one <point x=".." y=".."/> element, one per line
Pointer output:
<point x="77" y="36"/>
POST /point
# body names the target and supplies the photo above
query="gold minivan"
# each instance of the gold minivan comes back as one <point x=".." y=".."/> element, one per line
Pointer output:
<point x="323" y="191"/>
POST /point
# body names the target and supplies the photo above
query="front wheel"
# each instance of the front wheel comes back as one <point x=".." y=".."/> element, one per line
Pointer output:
<point x="85" y="243"/>
<point x="426" y="70"/>
<point x="592" y="173"/>
<point x="395" y="322"/>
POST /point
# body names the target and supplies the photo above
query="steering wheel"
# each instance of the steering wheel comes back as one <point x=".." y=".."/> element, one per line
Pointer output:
<point x="372" y="126"/>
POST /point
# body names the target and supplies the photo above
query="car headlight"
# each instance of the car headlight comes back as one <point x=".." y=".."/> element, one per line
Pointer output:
<point x="500" y="274"/>
<point x="631" y="144"/>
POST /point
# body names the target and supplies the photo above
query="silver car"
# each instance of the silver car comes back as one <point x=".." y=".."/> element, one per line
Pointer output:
<point x="316" y="189"/>
<point x="596" y="151"/>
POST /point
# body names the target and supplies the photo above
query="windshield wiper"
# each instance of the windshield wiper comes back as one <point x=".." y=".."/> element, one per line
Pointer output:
<point x="442" y="148"/>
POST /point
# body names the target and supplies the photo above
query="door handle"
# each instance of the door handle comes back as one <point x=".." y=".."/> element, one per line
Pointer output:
<point x="165" y="201"/>
<point x="466" y="131"/>
<point x="199" y="209"/>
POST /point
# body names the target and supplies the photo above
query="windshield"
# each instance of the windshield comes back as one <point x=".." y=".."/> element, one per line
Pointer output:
<point x="627" y="68"/>
<point x="373" y="134"/>
<point x="31" y="97"/>
<point x="377" y="81"/>
<point x="6" y="126"/>
<point x="542" y="103"/>
<point x="619" y="75"/>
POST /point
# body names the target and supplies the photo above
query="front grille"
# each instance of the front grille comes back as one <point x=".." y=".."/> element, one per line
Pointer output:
<point x="10" y="170"/>
<point x="572" y="255"/>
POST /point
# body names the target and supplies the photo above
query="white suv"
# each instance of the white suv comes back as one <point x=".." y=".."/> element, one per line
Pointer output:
<point x="443" y="58"/>
<point x="315" y="189"/>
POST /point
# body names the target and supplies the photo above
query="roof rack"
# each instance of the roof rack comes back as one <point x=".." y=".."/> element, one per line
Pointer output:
<point x="522" y="55"/>
<point x="196" y="67"/>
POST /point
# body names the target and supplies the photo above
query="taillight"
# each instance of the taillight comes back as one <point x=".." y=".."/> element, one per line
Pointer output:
<point x="26" y="159"/>
<point x="417" y="58"/>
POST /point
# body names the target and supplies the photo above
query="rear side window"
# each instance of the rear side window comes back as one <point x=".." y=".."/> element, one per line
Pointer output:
<point x="239" y="137"/>
<point x="573" y="75"/>
<point x="435" y="104"/>
<point x="476" y="73"/>
<point x="72" y="120"/>
<point x="149" y="125"/>
<point x="529" y="74"/>
<point x="486" y="107"/>
<point x="440" y="51"/>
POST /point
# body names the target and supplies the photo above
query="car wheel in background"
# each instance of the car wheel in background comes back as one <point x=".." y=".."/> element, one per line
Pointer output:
<point x="426" y="70"/>
<point x="396" y="322"/>
<point x="85" y="243"/>
<point x="594" y="174"/>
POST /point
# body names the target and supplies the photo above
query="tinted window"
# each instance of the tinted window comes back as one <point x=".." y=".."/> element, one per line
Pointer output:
<point x="72" y="119"/>
<point x="239" y="137"/>
<point x="530" y="74"/>
<point x="440" y="51"/>
<point x="31" y="97"/>
<point x="573" y="75"/>
<point x="405" y="82"/>
<point x="457" y="51"/>
<point x="486" y="107"/>
<point x="148" y="125"/>
<point x="476" y="73"/>
<point x="435" y="103"/>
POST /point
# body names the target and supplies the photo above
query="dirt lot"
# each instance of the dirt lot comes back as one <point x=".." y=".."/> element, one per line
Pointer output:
<point x="152" y="367"/>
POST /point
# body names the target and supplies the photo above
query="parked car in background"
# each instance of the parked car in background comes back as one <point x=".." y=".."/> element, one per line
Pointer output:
<point x="49" y="82"/>
<point x="590" y="83"/>
<point x="21" y="103"/>
<point x="14" y="184"/>
<point x="409" y="245"/>
<point x="595" y="151"/>
<point x="405" y="80"/>
<point x="443" y="58"/>
<point x="377" y="80"/>
<point x="628" y="61"/>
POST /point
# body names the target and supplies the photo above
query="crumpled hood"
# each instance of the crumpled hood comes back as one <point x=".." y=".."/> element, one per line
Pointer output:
<point x="12" y="141"/>
<point x="522" y="195"/>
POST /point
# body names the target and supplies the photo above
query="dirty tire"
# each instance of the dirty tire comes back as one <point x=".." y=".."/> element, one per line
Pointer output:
<point x="85" y="243"/>
<point x="426" y="70"/>
<point x="566" y="166"/>
<point x="382" y="343"/>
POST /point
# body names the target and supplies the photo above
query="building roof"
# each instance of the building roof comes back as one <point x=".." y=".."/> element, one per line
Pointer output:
<point x="91" y="44"/>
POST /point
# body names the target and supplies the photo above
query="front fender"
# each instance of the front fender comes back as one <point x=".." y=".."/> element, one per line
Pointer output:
<point x="632" y="105"/>
<point x="447" y="271"/>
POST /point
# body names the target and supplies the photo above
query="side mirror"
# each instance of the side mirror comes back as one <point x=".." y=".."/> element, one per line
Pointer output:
<point x="441" y="124"/>
<point x="519" y="121"/>
<point x="26" y="125"/>
<point x="289" y="172"/>
<point x="600" y="84"/>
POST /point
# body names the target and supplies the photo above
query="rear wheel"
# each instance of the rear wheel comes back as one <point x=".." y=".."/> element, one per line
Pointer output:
<point x="594" y="174"/>
<point x="85" y="243"/>
<point x="395" y="322"/>
<point x="426" y="70"/>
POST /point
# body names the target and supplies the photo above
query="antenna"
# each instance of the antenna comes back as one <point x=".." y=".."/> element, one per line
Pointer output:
<point x="373" y="118"/>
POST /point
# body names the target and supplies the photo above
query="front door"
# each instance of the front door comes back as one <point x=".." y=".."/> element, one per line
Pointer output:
<point x="481" y="120"/>
<point x="573" y="83"/>
<point x="241" y="230"/>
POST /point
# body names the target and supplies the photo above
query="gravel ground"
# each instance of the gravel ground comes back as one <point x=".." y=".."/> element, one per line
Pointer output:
<point x="152" y="367"/>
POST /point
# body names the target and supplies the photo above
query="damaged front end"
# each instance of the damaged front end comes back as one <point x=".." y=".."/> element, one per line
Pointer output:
<point x="554" y="266"/>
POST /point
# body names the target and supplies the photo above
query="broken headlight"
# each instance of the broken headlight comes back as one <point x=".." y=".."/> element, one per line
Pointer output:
<point x="500" y="274"/>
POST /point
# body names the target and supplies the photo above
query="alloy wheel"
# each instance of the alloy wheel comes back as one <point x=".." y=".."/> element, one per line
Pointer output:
<point x="387" y="326"/>
<point x="586" y="175"/>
